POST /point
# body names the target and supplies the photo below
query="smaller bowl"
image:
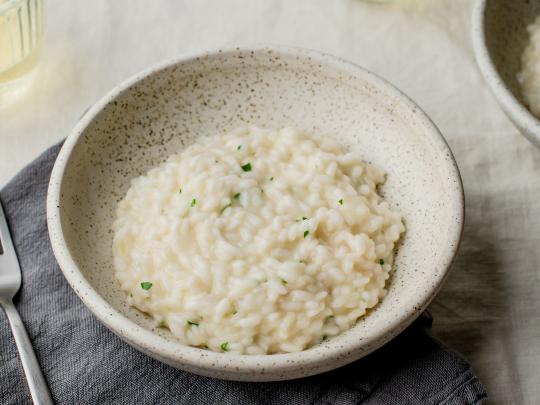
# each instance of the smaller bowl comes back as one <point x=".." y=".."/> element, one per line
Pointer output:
<point x="499" y="31"/>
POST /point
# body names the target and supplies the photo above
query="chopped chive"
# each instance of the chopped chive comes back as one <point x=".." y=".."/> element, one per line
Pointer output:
<point x="247" y="167"/>
<point x="146" y="285"/>
<point x="304" y="218"/>
<point x="180" y="190"/>
<point x="193" y="202"/>
<point x="224" y="346"/>
<point x="130" y="295"/>
<point x="340" y="201"/>
<point x="235" y="312"/>
<point x="271" y="179"/>
<point x="237" y="196"/>
<point x="191" y="323"/>
<point x="329" y="317"/>
<point x="239" y="147"/>
<point x="381" y="262"/>
<point x="306" y="233"/>
<point x="284" y="282"/>
<point x="324" y="337"/>
<point x="300" y="219"/>
<point x="162" y="324"/>
<point x="224" y="208"/>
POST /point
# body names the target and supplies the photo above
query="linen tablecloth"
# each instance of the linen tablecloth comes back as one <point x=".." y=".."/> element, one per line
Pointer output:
<point x="489" y="309"/>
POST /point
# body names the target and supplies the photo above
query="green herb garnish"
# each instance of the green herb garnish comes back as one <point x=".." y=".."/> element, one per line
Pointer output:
<point x="191" y="323"/>
<point x="236" y="196"/>
<point x="324" y="337"/>
<point x="180" y="190"/>
<point x="193" y="202"/>
<point x="306" y="233"/>
<point x="224" y="346"/>
<point x="239" y="147"/>
<point x="329" y="317"/>
<point x="247" y="167"/>
<point x="224" y="208"/>
<point x="271" y="179"/>
<point x="340" y="201"/>
<point x="146" y="285"/>
<point x="381" y="262"/>
<point x="162" y="324"/>
<point x="284" y="282"/>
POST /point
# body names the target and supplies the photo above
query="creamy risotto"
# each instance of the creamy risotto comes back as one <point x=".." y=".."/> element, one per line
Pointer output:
<point x="256" y="242"/>
<point x="529" y="76"/>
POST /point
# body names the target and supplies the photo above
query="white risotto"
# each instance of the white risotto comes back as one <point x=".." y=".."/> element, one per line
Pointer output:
<point x="529" y="77"/>
<point x="256" y="242"/>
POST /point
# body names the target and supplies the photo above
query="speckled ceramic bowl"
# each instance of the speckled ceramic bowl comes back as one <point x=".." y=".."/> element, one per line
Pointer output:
<point x="499" y="38"/>
<point x="160" y="111"/>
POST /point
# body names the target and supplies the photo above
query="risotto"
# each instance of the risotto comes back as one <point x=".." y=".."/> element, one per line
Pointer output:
<point x="256" y="242"/>
<point x="529" y="76"/>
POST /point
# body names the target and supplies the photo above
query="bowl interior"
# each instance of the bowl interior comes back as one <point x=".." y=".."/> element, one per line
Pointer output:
<point x="506" y="36"/>
<point x="129" y="132"/>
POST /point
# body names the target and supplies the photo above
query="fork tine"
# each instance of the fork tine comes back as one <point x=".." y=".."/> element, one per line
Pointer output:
<point x="9" y="264"/>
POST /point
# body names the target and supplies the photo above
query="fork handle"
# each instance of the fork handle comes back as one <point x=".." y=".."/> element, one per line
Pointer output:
<point x="36" y="382"/>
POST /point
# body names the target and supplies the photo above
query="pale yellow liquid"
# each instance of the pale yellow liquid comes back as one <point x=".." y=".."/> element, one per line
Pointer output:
<point x="21" y="27"/>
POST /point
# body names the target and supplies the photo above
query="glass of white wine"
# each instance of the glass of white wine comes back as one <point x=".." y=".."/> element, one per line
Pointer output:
<point x="21" y="31"/>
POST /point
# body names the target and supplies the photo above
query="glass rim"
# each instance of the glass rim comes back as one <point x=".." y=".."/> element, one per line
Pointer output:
<point x="10" y="4"/>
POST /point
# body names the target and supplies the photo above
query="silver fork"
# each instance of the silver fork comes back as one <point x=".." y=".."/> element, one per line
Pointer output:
<point x="10" y="282"/>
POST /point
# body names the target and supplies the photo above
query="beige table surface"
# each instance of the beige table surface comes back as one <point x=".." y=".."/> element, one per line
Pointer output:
<point x="489" y="309"/>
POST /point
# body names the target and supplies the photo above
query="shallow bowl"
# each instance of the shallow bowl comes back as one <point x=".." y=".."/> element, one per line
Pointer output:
<point x="162" y="110"/>
<point x="499" y="31"/>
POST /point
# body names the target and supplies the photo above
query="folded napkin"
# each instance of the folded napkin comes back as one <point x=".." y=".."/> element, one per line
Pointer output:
<point x="84" y="363"/>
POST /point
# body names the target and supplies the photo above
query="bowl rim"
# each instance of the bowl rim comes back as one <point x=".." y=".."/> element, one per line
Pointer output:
<point x="319" y="358"/>
<point x="515" y="110"/>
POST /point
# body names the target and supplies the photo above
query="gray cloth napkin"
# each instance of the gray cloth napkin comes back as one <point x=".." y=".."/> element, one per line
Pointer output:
<point x="84" y="363"/>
